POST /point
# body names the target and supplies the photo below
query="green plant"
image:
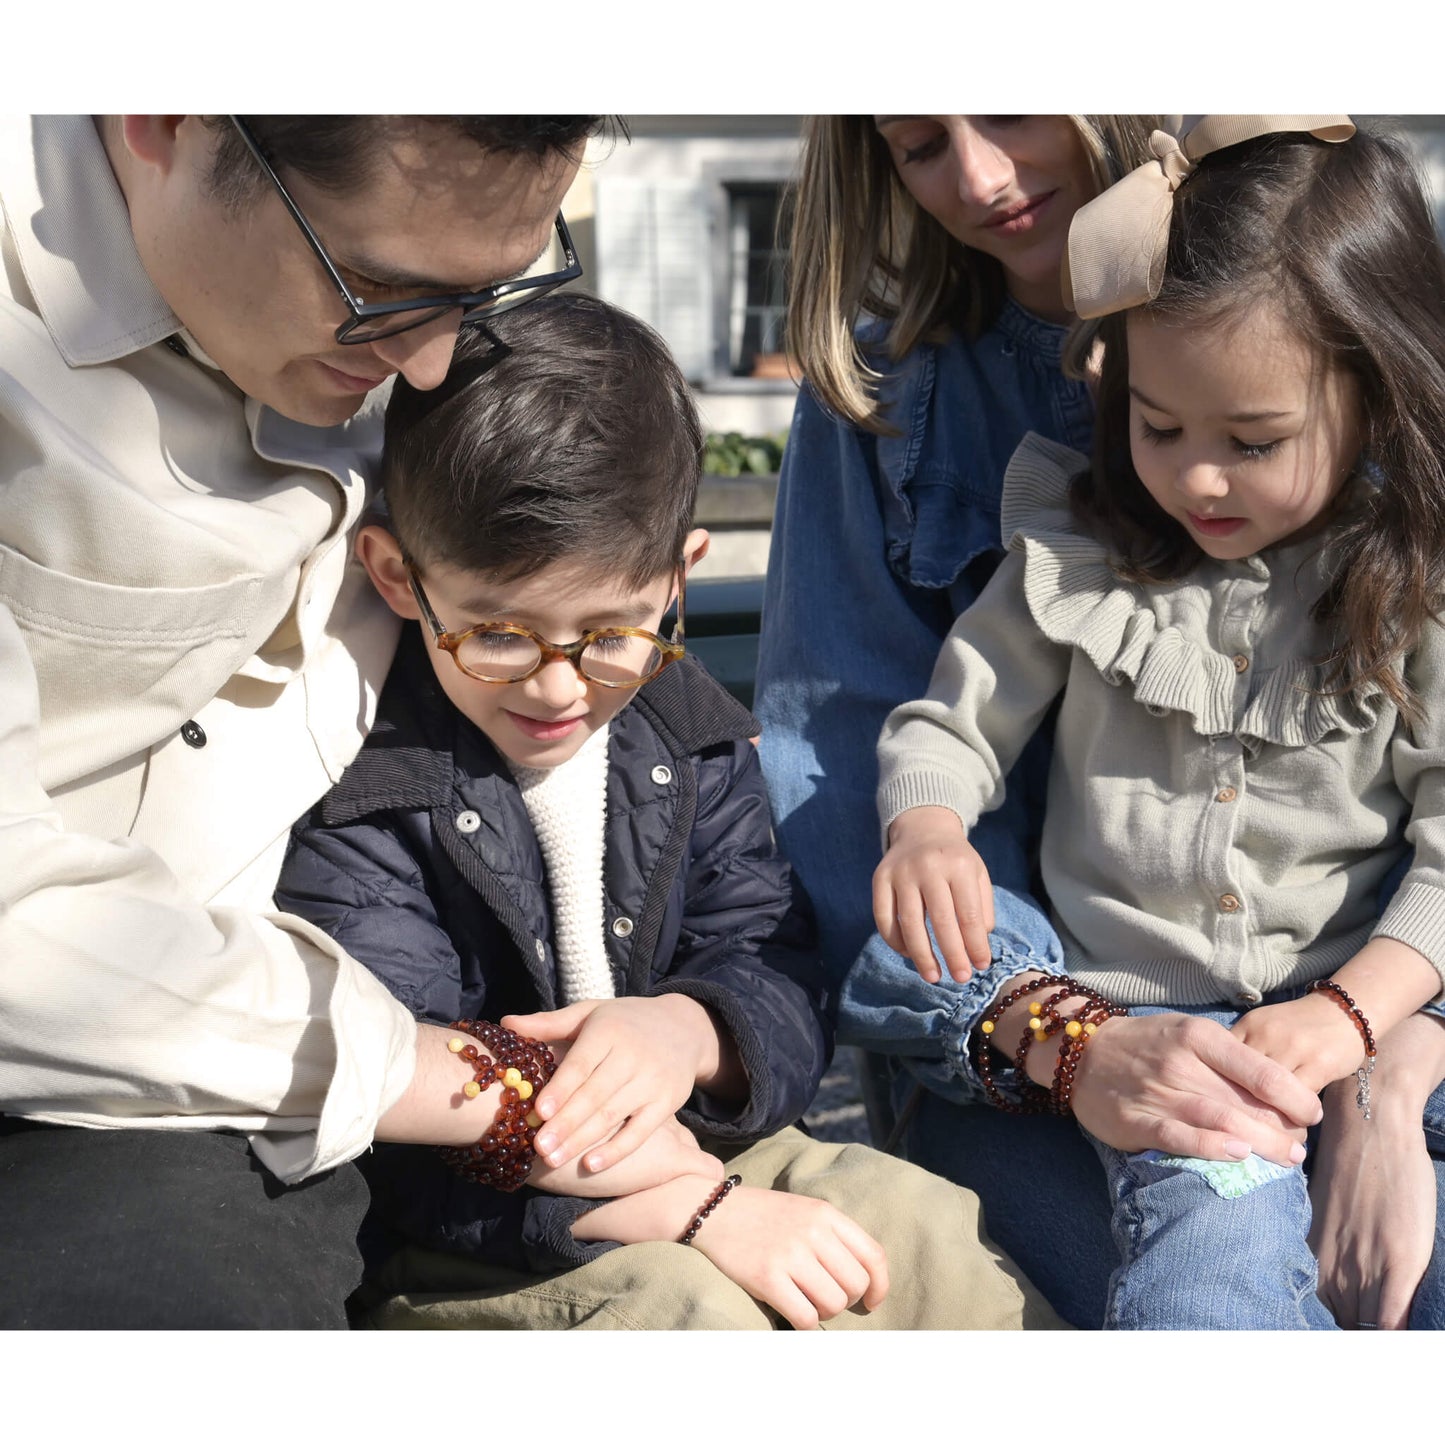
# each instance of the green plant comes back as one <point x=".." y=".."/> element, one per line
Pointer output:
<point x="731" y="454"/>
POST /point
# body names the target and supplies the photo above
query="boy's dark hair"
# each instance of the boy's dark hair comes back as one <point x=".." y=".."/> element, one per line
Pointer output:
<point x="334" y="151"/>
<point x="1341" y="238"/>
<point x="564" y="430"/>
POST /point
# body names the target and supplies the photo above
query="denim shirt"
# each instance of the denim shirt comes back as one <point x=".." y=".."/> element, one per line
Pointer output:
<point x="878" y="543"/>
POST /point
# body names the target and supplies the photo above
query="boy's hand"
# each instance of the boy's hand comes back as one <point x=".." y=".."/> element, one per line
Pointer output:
<point x="669" y="1152"/>
<point x="632" y="1064"/>
<point x="1312" y="1037"/>
<point x="800" y="1255"/>
<point x="932" y="874"/>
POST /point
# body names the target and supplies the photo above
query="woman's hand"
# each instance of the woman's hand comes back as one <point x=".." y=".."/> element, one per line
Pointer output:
<point x="1187" y="1086"/>
<point x="631" y="1065"/>
<point x="932" y="874"/>
<point x="1372" y="1183"/>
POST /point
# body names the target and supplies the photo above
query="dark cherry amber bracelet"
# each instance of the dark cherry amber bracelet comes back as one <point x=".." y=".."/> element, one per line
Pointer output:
<point x="1367" y="1034"/>
<point x="713" y="1200"/>
<point x="502" y="1158"/>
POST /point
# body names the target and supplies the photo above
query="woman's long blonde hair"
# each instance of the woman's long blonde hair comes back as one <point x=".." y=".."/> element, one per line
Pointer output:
<point x="862" y="245"/>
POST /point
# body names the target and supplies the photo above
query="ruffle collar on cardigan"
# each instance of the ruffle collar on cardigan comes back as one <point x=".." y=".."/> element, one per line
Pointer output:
<point x="1077" y="600"/>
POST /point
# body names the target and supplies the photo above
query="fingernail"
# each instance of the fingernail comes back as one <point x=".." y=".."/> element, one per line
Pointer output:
<point x="1236" y="1148"/>
<point x="555" y="1159"/>
<point x="594" y="1162"/>
<point x="1296" y="1153"/>
<point x="545" y="1144"/>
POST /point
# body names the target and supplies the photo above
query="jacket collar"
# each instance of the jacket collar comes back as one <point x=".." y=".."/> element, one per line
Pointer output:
<point x="71" y="230"/>
<point x="409" y="759"/>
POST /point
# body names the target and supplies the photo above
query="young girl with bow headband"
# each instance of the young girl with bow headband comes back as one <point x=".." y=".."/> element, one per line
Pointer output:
<point x="1236" y="604"/>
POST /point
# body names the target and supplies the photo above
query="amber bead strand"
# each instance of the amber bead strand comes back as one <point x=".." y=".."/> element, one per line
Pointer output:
<point x="1077" y="1033"/>
<point x="1367" y="1034"/>
<point x="502" y="1158"/>
<point x="1035" y="1099"/>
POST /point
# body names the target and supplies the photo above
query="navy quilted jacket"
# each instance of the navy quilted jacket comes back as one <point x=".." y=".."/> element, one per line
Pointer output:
<point x="456" y="921"/>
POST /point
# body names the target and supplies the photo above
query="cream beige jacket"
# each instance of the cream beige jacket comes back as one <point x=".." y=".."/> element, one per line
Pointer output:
<point x="189" y="657"/>
<point x="1216" y="827"/>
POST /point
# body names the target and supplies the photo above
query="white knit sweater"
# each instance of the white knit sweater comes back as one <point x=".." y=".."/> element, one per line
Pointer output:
<point x="568" y="808"/>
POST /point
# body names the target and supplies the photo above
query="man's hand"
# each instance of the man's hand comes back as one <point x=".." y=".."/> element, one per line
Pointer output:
<point x="669" y="1152"/>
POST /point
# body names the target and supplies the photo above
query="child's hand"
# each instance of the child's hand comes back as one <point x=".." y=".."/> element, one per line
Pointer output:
<point x="800" y="1255"/>
<point x="632" y="1064"/>
<point x="931" y="874"/>
<point x="669" y="1152"/>
<point x="1310" y="1036"/>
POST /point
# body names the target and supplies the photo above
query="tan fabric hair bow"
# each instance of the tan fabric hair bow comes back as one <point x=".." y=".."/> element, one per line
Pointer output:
<point x="1119" y="241"/>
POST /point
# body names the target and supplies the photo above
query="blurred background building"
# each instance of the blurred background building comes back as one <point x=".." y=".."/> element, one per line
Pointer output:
<point x="679" y="225"/>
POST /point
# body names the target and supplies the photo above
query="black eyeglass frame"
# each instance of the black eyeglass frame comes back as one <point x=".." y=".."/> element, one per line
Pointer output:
<point x="551" y="651"/>
<point x="489" y="301"/>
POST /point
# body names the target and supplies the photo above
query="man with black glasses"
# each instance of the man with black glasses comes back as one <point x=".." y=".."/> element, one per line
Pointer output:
<point x="195" y="316"/>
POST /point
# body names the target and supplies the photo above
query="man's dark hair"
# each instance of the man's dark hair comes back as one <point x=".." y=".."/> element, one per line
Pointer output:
<point x="564" y="431"/>
<point x="334" y="151"/>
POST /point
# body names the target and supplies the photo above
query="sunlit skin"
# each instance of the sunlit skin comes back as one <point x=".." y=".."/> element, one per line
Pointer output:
<point x="1241" y="433"/>
<point x="543" y="720"/>
<point x="436" y="213"/>
<point x="1005" y="185"/>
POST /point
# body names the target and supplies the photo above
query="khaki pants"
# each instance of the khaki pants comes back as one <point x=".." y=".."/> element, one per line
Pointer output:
<point x="944" y="1271"/>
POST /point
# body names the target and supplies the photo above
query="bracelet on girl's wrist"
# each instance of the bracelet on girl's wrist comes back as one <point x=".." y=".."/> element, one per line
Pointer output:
<point x="1332" y="990"/>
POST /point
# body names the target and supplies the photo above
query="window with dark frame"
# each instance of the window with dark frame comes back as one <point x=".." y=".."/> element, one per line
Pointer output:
<point x="757" y="307"/>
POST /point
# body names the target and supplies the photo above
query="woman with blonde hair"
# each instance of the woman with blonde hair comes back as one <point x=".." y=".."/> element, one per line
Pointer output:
<point x="926" y="314"/>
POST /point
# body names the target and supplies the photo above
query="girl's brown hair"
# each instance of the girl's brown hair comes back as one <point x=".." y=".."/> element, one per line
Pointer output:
<point x="1341" y="237"/>
<point x="862" y="246"/>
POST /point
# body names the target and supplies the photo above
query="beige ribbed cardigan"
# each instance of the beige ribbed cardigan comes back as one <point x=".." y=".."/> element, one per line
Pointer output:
<point x="1215" y="830"/>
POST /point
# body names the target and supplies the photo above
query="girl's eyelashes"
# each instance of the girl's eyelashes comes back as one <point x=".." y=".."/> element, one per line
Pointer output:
<point x="1155" y="434"/>
<point x="1250" y="451"/>
<point x="1253" y="451"/>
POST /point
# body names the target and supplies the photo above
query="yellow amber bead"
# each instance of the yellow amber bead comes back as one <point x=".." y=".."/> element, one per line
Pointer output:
<point x="1036" y="1008"/>
<point x="986" y="1026"/>
<point x="1036" y="1023"/>
<point x="471" y="1088"/>
<point x="511" y="1078"/>
<point x="524" y="1089"/>
<point x="1073" y="1028"/>
<point x="1091" y="1029"/>
<point x="534" y="1119"/>
<point x="456" y="1045"/>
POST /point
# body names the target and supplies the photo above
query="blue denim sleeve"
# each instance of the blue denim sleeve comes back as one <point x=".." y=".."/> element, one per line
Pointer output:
<point x="842" y="643"/>
<point x="844" y="640"/>
<point x="886" y="1006"/>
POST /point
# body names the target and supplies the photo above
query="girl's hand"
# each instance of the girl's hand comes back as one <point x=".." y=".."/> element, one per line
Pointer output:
<point x="931" y="874"/>
<point x="668" y="1153"/>
<point x="632" y="1064"/>
<point x="800" y="1255"/>
<point x="1372" y="1184"/>
<point x="1188" y="1086"/>
<point x="1311" y="1036"/>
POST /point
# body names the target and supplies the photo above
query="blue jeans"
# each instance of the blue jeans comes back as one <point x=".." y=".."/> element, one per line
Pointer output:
<point x="1192" y="1258"/>
<point x="1116" y="1240"/>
